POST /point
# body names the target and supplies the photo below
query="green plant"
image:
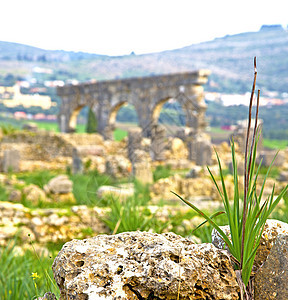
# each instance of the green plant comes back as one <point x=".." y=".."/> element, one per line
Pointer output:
<point x="3" y="193"/>
<point x="8" y="129"/>
<point x="85" y="187"/>
<point x="119" y="134"/>
<point x="39" y="178"/>
<point x="126" y="215"/>
<point x="91" y="126"/>
<point x="142" y="192"/>
<point x="20" y="272"/>
<point x="161" y="172"/>
<point x="246" y="218"/>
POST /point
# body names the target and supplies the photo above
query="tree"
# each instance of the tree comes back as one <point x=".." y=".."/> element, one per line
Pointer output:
<point x="91" y="125"/>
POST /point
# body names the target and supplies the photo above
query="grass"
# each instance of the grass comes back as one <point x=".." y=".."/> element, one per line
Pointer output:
<point x="275" y="144"/>
<point x="39" y="178"/>
<point x="161" y="172"/>
<point x="16" y="275"/>
<point x="132" y="214"/>
<point x="119" y="134"/>
<point x="85" y="187"/>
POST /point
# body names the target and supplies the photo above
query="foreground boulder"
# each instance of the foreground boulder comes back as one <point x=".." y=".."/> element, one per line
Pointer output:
<point x="143" y="265"/>
<point x="272" y="278"/>
<point x="272" y="229"/>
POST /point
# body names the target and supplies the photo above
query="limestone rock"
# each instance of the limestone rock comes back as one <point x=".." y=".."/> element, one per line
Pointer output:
<point x="142" y="172"/>
<point x="116" y="192"/>
<point x="142" y="265"/>
<point x="272" y="278"/>
<point x="271" y="230"/>
<point x="283" y="176"/>
<point x="59" y="185"/>
<point x="30" y="127"/>
<point x="47" y="296"/>
<point x="194" y="172"/>
<point x="34" y="193"/>
<point x="118" y="166"/>
<point x="267" y="157"/>
<point x="15" y="196"/>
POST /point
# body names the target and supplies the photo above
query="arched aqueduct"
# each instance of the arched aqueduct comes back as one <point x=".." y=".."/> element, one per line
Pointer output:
<point x="146" y="94"/>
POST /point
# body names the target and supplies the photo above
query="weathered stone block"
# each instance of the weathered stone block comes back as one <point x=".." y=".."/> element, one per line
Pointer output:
<point x="134" y="142"/>
<point x="142" y="265"/>
<point x="59" y="185"/>
<point x="11" y="161"/>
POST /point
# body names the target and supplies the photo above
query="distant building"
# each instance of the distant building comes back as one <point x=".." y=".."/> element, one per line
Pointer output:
<point x="12" y="97"/>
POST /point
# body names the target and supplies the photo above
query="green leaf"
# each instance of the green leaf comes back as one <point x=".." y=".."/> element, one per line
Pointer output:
<point x="220" y="231"/>
<point x="218" y="213"/>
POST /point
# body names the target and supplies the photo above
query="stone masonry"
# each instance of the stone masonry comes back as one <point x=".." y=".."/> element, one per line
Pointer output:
<point x="146" y="94"/>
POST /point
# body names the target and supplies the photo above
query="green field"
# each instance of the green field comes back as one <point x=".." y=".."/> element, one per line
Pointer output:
<point x="275" y="144"/>
<point x="119" y="133"/>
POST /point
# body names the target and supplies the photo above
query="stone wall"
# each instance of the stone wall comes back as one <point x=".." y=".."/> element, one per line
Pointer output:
<point x="49" y="225"/>
<point x="45" y="145"/>
<point x="60" y="225"/>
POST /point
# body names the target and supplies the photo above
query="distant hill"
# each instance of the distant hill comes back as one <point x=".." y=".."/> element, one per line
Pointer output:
<point x="230" y="59"/>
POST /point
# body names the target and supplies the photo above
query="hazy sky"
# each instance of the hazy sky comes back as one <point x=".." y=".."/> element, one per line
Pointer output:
<point x="118" y="27"/>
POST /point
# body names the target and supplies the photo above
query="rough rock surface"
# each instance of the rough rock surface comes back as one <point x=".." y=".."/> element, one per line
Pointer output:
<point x="143" y="265"/>
<point x="34" y="194"/>
<point x="272" y="278"/>
<point x="59" y="185"/>
<point x="47" y="296"/>
<point x="116" y="192"/>
<point x="271" y="230"/>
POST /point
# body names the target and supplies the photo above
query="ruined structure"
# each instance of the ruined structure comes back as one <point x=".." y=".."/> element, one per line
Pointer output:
<point x="146" y="94"/>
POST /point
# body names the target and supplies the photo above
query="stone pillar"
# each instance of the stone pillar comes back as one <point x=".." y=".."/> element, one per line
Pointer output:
<point x="203" y="152"/>
<point x="158" y="136"/>
<point x="187" y="134"/>
<point x="199" y="146"/>
<point x="77" y="164"/>
<point x="62" y="123"/>
<point x="134" y="141"/>
<point x="108" y="132"/>
<point x="11" y="161"/>
<point x="239" y="134"/>
<point x="141" y="167"/>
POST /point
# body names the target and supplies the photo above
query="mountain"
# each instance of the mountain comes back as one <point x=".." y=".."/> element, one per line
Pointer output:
<point x="230" y="59"/>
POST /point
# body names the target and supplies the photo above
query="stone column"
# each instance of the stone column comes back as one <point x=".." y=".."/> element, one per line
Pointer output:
<point x="188" y="136"/>
<point x="158" y="136"/>
<point x="203" y="152"/>
<point x="77" y="164"/>
<point x="62" y="123"/>
<point x="134" y="142"/>
<point x="11" y="161"/>
<point x="141" y="167"/>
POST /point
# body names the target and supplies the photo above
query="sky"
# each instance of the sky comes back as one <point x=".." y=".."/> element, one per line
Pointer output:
<point x="119" y="27"/>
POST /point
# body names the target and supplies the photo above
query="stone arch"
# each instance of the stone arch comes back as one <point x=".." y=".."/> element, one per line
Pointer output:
<point x="111" y="123"/>
<point x="114" y="111"/>
<point x="144" y="93"/>
<point x="156" y="111"/>
<point x="73" y="118"/>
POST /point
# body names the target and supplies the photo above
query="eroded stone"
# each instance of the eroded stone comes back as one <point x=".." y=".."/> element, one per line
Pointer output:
<point x="271" y="281"/>
<point x="131" y="264"/>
